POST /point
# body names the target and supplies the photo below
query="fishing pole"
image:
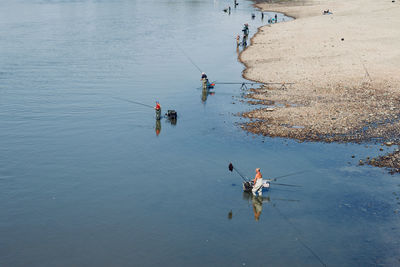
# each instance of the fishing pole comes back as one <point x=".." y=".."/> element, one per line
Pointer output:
<point x="134" y="102"/>
<point x="286" y="175"/>
<point x="190" y="59"/>
<point x="231" y="168"/>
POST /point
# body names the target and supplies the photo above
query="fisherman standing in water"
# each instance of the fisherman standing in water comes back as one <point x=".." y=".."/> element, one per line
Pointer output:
<point x="245" y="34"/>
<point x="246" y="29"/>
<point x="258" y="183"/>
<point x="204" y="79"/>
<point x="158" y="110"/>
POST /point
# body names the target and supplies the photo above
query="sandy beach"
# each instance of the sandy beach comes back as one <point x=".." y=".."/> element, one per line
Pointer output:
<point x="344" y="67"/>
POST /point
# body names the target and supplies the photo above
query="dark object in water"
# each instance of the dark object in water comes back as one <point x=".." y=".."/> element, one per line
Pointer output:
<point x="247" y="186"/>
<point x="230" y="215"/>
<point x="230" y="167"/>
<point x="171" y="114"/>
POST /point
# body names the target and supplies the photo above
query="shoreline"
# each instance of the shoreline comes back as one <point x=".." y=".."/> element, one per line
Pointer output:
<point x="343" y="66"/>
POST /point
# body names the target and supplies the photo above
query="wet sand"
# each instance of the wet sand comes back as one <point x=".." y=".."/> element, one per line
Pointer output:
<point x="345" y="68"/>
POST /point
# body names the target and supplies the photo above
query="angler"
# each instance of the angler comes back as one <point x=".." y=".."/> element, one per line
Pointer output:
<point x="258" y="183"/>
<point x="158" y="110"/>
<point x="246" y="30"/>
<point x="206" y="83"/>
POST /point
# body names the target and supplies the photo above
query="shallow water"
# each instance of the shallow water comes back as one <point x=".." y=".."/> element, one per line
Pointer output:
<point x="86" y="180"/>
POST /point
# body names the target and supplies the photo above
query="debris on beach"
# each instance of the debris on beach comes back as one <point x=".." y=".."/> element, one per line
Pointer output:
<point x="391" y="161"/>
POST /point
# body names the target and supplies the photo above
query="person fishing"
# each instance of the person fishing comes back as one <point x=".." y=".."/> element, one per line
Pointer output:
<point x="246" y="30"/>
<point x="204" y="79"/>
<point x="258" y="183"/>
<point x="158" y="110"/>
<point x="276" y="18"/>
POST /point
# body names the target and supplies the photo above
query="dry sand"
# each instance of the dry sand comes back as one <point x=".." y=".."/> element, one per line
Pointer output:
<point x="342" y="88"/>
<point x="345" y="68"/>
<point x="309" y="50"/>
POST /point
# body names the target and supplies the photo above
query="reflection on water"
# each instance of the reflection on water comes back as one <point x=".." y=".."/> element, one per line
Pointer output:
<point x="205" y="93"/>
<point x="158" y="127"/>
<point x="257" y="202"/>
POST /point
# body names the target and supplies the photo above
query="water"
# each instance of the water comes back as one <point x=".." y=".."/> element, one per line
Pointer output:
<point x="86" y="180"/>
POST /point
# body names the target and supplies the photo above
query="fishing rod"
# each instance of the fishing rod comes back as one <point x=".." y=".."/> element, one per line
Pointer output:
<point x="286" y="175"/>
<point x="190" y="59"/>
<point x="231" y="168"/>
<point x="134" y="102"/>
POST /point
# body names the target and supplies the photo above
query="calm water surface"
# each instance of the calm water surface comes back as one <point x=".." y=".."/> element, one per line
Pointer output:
<point x="86" y="181"/>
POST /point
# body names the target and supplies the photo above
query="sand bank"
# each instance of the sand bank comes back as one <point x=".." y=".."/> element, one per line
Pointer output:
<point x="345" y="66"/>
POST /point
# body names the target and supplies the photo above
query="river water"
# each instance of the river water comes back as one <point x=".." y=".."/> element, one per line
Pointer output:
<point x="90" y="179"/>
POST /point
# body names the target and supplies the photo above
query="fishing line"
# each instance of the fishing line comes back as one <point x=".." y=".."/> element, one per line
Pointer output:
<point x="298" y="238"/>
<point x="286" y="184"/>
<point x="190" y="59"/>
<point x="134" y="102"/>
<point x="286" y="175"/>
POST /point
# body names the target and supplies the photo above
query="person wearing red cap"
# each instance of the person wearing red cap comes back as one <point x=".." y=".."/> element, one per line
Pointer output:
<point x="158" y="110"/>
